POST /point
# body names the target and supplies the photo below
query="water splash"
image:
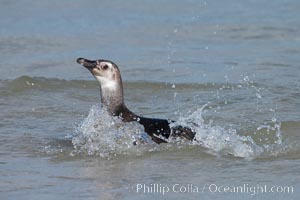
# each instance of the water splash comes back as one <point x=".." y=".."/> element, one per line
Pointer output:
<point x="218" y="140"/>
<point x="105" y="136"/>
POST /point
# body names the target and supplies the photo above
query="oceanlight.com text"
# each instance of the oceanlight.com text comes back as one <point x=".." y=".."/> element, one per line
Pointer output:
<point x="250" y="189"/>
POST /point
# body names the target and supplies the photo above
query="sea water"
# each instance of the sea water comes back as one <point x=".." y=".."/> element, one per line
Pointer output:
<point x="227" y="69"/>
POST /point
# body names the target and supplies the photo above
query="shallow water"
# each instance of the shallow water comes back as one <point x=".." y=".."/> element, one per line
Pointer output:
<point x="230" y="70"/>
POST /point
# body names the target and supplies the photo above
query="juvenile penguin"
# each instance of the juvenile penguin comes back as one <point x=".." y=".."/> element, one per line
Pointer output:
<point x="108" y="75"/>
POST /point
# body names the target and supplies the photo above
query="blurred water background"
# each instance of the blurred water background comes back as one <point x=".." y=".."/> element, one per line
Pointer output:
<point x="231" y="67"/>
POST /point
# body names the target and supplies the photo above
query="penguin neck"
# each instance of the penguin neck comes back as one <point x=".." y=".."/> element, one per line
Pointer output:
<point x="112" y="99"/>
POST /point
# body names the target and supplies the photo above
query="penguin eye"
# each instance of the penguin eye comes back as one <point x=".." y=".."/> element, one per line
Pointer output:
<point x="105" y="67"/>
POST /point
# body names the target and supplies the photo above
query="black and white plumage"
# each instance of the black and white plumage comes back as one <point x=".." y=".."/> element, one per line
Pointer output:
<point x="108" y="75"/>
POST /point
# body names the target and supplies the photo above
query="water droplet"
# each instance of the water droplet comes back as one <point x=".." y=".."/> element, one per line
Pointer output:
<point x="226" y="78"/>
<point x="258" y="96"/>
<point x="246" y="78"/>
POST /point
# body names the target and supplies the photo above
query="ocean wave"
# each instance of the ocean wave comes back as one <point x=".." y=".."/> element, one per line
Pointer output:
<point x="24" y="83"/>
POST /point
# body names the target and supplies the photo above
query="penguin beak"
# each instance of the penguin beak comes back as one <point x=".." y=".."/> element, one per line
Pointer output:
<point x="89" y="64"/>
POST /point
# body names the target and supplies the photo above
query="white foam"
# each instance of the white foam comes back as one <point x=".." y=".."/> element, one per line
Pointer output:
<point x="102" y="135"/>
<point x="106" y="136"/>
<point x="217" y="139"/>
